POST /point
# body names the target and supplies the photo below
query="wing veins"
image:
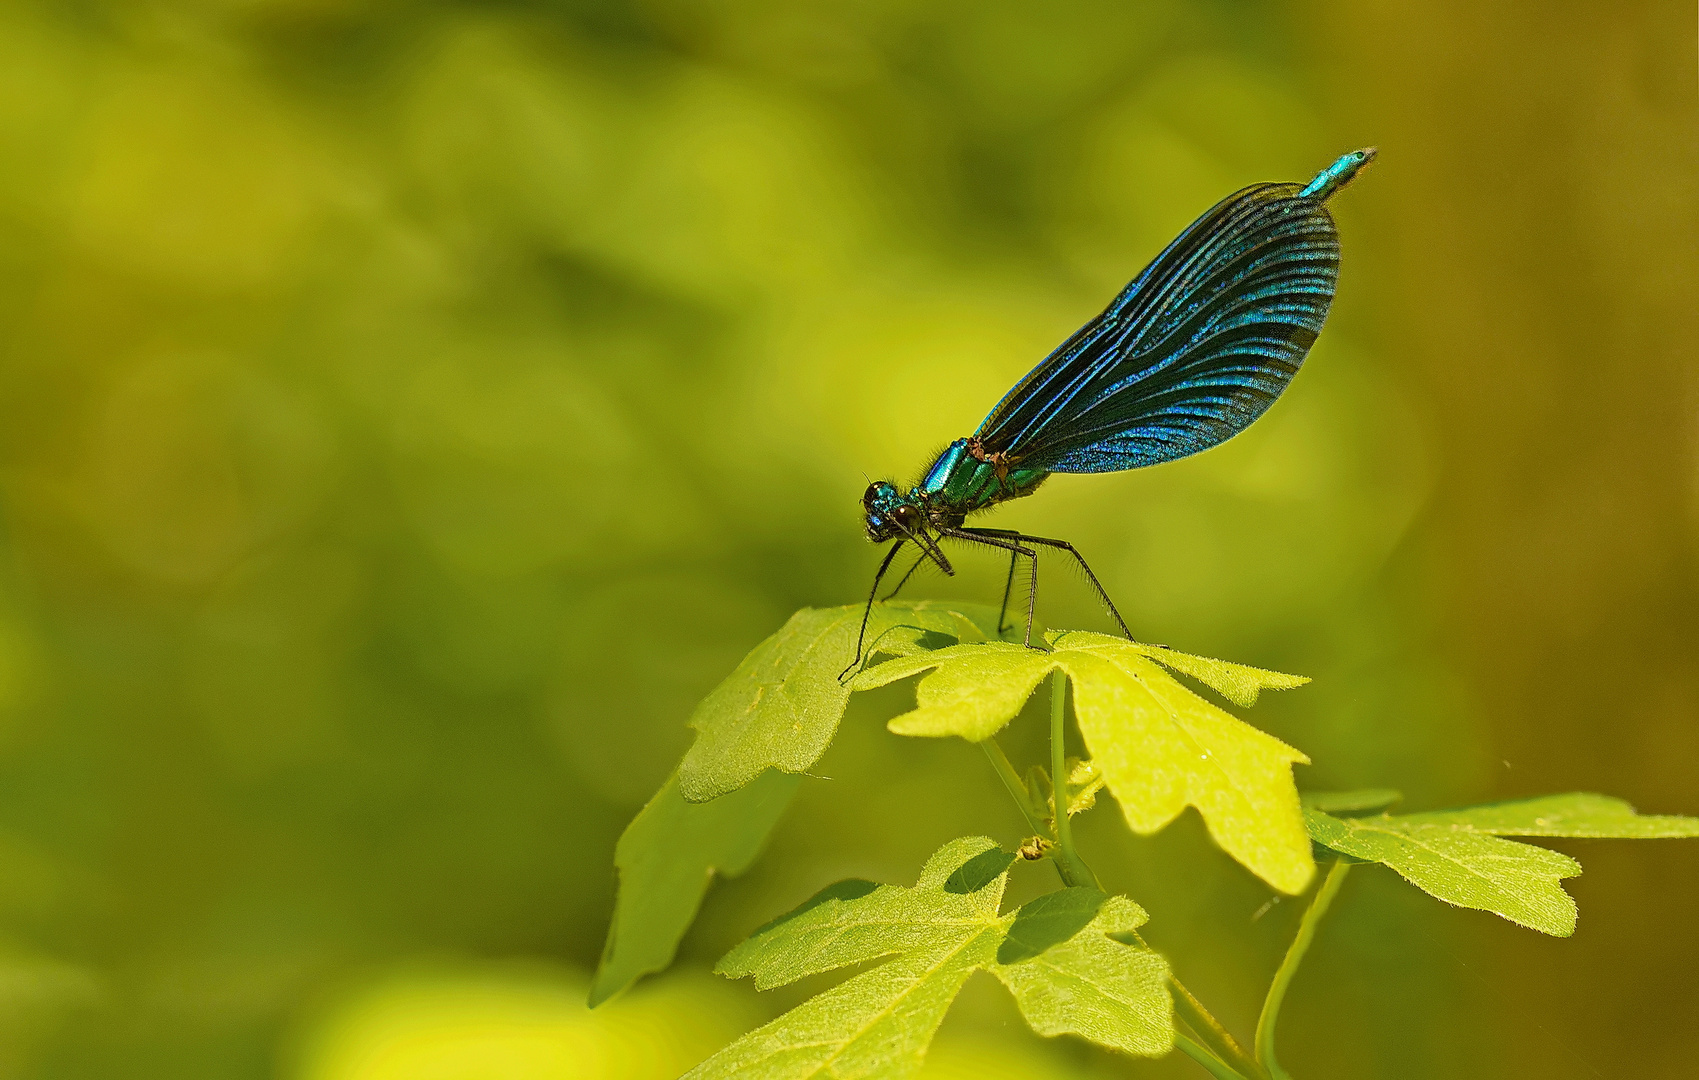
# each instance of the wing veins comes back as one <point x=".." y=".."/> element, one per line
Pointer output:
<point x="1197" y="346"/>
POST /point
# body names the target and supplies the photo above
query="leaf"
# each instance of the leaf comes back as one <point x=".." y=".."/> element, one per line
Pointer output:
<point x="1087" y="983"/>
<point x="667" y="857"/>
<point x="1237" y="683"/>
<point x="1039" y="791"/>
<point x="1160" y="747"/>
<point x="1053" y="953"/>
<point x="1085" y="780"/>
<point x="1575" y="814"/>
<point x="1363" y="800"/>
<point x="1469" y="869"/>
<point x="1456" y="855"/>
<point x="780" y="708"/>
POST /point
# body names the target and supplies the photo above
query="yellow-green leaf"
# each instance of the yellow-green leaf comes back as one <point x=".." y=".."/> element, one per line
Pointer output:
<point x="1159" y="746"/>
<point x="1238" y="683"/>
<point x="1085" y="780"/>
<point x="1575" y="814"/>
<point x="1067" y="974"/>
<point x="780" y="708"/>
<point x="1469" y="869"/>
<point x="667" y="857"/>
<point x="1457" y="856"/>
<point x="1084" y="981"/>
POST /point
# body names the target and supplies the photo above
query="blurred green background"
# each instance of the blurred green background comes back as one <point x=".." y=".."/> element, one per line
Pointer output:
<point x="408" y="410"/>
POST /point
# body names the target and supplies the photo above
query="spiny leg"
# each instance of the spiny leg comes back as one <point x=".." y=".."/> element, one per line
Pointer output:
<point x="928" y="545"/>
<point x="1102" y="594"/>
<point x="1008" y="585"/>
<point x="867" y="612"/>
<point x="893" y="593"/>
<point x="978" y="537"/>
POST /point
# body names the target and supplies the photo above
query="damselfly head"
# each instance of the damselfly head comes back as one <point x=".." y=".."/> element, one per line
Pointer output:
<point x="889" y="513"/>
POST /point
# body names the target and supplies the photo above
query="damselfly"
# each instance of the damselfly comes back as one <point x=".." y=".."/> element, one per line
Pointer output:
<point x="1191" y="351"/>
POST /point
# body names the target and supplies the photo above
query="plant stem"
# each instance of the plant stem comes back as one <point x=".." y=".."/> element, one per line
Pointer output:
<point x="1017" y="789"/>
<point x="1192" y="1013"/>
<point x="1289" y="967"/>
<point x="1214" y="1065"/>
<point x="1073" y="868"/>
<point x="1222" y="1047"/>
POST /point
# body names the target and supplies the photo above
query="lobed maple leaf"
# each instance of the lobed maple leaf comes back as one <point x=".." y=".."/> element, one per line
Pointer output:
<point x="1057" y="954"/>
<point x="1458" y="855"/>
<point x="667" y="857"/>
<point x="1159" y="746"/>
<point x="780" y="708"/>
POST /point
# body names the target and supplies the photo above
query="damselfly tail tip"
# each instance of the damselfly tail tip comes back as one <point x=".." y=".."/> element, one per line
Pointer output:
<point x="1330" y="180"/>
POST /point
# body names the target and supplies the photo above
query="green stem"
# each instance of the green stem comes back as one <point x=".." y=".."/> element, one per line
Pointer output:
<point x="1189" y="1010"/>
<point x="1289" y="967"/>
<point x="1222" y="1047"/>
<point x="1068" y="861"/>
<point x="1214" y="1065"/>
<point x="1017" y="790"/>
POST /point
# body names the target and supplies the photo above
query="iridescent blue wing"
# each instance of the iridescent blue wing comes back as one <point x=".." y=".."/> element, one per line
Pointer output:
<point x="1194" y="349"/>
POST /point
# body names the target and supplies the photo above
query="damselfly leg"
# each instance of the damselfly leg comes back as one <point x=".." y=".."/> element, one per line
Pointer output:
<point x="1005" y="540"/>
<point x="996" y="539"/>
<point x="892" y="595"/>
<point x="1008" y="586"/>
<point x="1008" y="589"/>
<point x="867" y="612"/>
<point x="1027" y="538"/>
